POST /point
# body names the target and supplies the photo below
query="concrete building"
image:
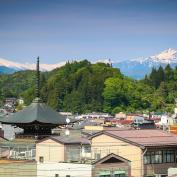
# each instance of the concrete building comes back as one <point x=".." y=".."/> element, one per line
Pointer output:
<point x="57" y="169"/>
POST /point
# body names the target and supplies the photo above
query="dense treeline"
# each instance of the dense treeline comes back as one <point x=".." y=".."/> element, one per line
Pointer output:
<point x="164" y="80"/>
<point x="84" y="87"/>
<point x="12" y="85"/>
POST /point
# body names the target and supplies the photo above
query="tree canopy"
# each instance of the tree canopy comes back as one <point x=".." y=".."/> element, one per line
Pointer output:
<point x="82" y="87"/>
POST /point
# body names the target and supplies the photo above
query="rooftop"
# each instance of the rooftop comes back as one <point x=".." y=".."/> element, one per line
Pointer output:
<point x="37" y="111"/>
<point x="67" y="140"/>
<point x="144" y="138"/>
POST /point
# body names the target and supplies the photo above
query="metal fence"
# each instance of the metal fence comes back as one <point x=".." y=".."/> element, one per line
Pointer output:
<point x="18" y="151"/>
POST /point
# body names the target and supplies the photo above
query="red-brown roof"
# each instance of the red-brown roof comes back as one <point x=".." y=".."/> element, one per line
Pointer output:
<point x="147" y="137"/>
<point x="143" y="138"/>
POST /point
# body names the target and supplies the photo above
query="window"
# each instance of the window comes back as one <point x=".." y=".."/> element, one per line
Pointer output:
<point x="97" y="156"/>
<point x="41" y="159"/>
<point x="87" y="149"/>
<point x="169" y="156"/>
<point x="119" y="175"/>
<point x="73" y="153"/>
<point x="147" y="158"/>
<point x="68" y="175"/>
<point x="153" y="157"/>
<point x="156" y="157"/>
<point x="56" y="175"/>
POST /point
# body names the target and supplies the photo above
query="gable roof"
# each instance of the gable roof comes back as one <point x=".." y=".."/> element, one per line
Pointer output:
<point x="66" y="140"/>
<point x="111" y="156"/>
<point x="143" y="138"/>
<point x="37" y="111"/>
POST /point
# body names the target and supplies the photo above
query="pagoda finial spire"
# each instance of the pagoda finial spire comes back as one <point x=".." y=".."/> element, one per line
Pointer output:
<point x="37" y="79"/>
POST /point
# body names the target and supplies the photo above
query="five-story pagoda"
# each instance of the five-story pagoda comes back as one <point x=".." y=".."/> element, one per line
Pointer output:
<point x="37" y="119"/>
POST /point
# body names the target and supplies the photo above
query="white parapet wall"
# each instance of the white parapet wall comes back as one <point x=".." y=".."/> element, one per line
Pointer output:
<point x="51" y="169"/>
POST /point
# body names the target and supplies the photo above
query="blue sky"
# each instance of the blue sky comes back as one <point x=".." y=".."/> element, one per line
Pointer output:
<point x="58" y="30"/>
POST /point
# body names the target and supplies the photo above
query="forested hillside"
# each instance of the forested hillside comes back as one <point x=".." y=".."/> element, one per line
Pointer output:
<point x="84" y="87"/>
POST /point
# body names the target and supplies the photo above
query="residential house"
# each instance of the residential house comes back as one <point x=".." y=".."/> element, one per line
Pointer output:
<point x="145" y="124"/>
<point x="120" y="116"/>
<point x="71" y="157"/>
<point x="151" y="152"/>
<point x="68" y="149"/>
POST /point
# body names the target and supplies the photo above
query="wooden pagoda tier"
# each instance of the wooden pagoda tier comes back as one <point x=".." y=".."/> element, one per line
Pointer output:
<point x="37" y="119"/>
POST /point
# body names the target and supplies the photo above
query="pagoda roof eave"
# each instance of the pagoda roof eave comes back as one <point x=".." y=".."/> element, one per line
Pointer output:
<point x="36" y="112"/>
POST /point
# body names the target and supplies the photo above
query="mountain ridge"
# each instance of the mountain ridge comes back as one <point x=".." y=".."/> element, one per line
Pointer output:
<point x="135" y="68"/>
<point x="16" y="66"/>
<point x="138" y="68"/>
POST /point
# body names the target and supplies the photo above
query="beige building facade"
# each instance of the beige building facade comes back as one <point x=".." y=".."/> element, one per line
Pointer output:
<point x="150" y="153"/>
<point x="63" y="149"/>
<point x="103" y="145"/>
<point x="50" y="150"/>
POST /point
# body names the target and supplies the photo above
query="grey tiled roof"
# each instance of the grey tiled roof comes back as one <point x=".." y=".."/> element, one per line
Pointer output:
<point x="71" y="140"/>
<point x="36" y="112"/>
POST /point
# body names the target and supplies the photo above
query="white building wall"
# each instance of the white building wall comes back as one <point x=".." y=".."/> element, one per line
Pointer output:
<point x="172" y="172"/>
<point x="50" y="169"/>
<point x="176" y="111"/>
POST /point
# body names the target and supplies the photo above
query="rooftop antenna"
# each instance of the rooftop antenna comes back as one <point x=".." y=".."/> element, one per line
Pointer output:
<point x="67" y="132"/>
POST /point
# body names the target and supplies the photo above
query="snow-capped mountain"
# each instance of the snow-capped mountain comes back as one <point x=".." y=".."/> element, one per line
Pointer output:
<point x="135" y="68"/>
<point x="138" y="68"/>
<point x="7" y="66"/>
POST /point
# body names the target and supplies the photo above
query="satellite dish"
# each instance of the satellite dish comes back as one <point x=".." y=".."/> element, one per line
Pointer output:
<point x="67" y="120"/>
<point x="67" y="132"/>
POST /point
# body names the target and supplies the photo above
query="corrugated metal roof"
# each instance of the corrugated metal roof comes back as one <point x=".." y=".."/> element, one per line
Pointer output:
<point x="146" y="137"/>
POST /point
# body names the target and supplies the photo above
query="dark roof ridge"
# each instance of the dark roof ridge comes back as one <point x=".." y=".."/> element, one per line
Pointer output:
<point x="111" y="155"/>
<point x="64" y="140"/>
